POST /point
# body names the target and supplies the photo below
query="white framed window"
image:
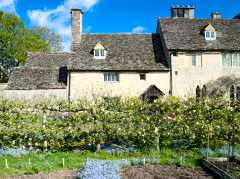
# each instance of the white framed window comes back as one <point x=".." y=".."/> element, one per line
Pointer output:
<point x="99" y="51"/>
<point x="231" y="60"/>
<point x="111" y="76"/>
<point x="210" y="35"/>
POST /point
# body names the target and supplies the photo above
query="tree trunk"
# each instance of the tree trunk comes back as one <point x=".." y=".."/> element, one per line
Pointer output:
<point x="98" y="147"/>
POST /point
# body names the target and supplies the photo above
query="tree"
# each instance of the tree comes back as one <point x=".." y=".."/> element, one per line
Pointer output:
<point x="237" y="16"/>
<point x="54" y="39"/>
<point x="15" y="42"/>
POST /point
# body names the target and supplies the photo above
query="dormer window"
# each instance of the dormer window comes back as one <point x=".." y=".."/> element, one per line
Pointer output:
<point x="210" y="33"/>
<point x="99" y="51"/>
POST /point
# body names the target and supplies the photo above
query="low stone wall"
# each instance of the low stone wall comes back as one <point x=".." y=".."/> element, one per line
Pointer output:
<point x="36" y="94"/>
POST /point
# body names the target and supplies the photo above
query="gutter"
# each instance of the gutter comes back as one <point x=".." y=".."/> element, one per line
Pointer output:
<point x="69" y="86"/>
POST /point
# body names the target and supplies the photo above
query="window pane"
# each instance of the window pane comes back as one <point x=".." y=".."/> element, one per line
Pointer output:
<point x="212" y="34"/>
<point x="194" y="60"/>
<point x="96" y="53"/>
<point x="102" y="53"/>
<point x="224" y="60"/>
<point x="112" y="77"/>
<point x="106" y="76"/>
<point x="142" y="76"/>
<point x="234" y="57"/>
<point x="238" y="58"/>
<point x="207" y="34"/>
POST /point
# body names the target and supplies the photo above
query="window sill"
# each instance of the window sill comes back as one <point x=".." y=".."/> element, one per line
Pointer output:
<point x="100" y="58"/>
<point x="111" y="82"/>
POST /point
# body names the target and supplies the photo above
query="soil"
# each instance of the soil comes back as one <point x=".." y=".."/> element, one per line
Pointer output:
<point x="164" y="172"/>
<point x="232" y="168"/>
<point x="54" y="175"/>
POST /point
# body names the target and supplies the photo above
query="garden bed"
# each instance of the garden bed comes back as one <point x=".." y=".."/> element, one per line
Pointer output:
<point x="166" y="172"/>
<point x="224" y="168"/>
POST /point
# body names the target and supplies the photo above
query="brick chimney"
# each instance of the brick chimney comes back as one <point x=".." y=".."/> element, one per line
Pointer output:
<point x="77" y="18"/>
<point x="216" y="15"/>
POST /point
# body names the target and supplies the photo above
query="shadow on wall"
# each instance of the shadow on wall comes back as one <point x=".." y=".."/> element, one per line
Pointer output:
<point x="63" y="75"/>
<point x="221" y="86"/>
<point x="158" y="50"/>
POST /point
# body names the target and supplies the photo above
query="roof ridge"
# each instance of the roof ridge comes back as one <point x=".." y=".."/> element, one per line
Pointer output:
<point x="50" y="53"/>
<point x="37" y="67"/>
<point x="119" y="33"/>
<point x="209" y="19"/>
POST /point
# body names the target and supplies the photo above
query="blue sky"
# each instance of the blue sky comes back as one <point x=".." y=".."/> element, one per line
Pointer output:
<point x="109" y="15"/>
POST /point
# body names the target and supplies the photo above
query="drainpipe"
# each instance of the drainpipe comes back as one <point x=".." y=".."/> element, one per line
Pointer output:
<point x="69" y="88"/>
<point x="171" y="74"/>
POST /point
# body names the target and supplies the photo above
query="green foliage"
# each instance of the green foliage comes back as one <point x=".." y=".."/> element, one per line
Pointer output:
<point x="54" y="39"/>
<point x="15" y="41"/>
<point x="170" y="122"/>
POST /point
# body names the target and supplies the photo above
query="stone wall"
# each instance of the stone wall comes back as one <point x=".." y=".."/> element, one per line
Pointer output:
<point x="36" y="94"/>
<point x="92" y="84"/>
<point x="186" y="77"/>
<point x="2" y="87"/>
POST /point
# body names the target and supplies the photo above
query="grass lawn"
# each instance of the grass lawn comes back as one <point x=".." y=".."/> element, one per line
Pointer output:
<point x="48" y="162"/>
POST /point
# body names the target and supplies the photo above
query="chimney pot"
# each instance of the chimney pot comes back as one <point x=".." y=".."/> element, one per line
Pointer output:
<point x="178" y="11"/>
<point x="216" y="15"/>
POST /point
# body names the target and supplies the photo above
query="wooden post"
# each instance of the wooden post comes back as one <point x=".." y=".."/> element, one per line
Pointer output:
<point x="63" y="162"/>
<point x="208" y="143"/>
<point x="29" y="162"/>
<point x="181" y="159"/>
<point x="45" y="145"/>
<point x="98" y="146"/>
<point x="6" y="163"/>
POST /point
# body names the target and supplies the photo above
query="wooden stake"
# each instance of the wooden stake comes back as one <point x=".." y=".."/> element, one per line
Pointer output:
<point x="6" y="163"/>
<point x="63" y="162"/>
<point x="29" y="162"/>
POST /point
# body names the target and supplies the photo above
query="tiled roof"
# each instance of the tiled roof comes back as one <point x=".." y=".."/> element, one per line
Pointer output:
<point x="24" y="78"/>
<point x="48" y="60"/>
<point x="187" y="34"/>
<point x="41" y="71"/>
<point x="124" y="52"/>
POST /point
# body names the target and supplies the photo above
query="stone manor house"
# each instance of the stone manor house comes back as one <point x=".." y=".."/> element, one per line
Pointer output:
<point x="183" y="53"/>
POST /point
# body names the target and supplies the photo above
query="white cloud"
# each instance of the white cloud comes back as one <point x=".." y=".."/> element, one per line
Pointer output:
<point x="88" y="29"/>
<point x="138" y="29"/>
<point x="58" y="19"/>
<point x="8" y="5"/>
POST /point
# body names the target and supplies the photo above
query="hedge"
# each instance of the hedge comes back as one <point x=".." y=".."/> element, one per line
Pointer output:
<point x="171" y="121"/>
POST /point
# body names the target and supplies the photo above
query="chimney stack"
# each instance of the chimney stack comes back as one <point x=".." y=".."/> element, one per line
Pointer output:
<point x="216" y="15"/>
<point x="77" y="18"/>
<point x="182" y="11"/>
